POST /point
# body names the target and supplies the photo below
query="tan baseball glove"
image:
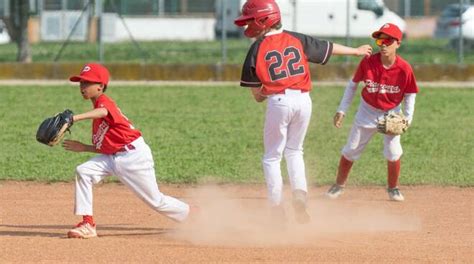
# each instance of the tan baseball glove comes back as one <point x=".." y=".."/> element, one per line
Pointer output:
<point x="392" y="124"/>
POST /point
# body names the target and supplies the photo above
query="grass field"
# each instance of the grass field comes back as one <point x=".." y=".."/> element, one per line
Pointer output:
<point x="214" y="133"/>
<point x="416" y="51"/>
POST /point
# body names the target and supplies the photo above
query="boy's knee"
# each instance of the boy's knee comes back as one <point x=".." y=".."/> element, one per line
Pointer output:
<point x="351" y="154"/>
<point x="393" y="153"/>
<point x="80" y="171"/>
<point x="272" y="158"/>
<point x="393" y="156"/>
<point x="289" y="152"/>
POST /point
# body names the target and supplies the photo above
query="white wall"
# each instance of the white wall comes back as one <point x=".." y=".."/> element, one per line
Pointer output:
<point x="159" y="28"/>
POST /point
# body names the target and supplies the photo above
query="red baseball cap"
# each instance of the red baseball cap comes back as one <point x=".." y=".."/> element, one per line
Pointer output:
<point x="92" y="72"/>
<point x="389" y="29"/>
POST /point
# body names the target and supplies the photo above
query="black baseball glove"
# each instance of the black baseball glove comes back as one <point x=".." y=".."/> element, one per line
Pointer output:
<point x="52" y="130"/>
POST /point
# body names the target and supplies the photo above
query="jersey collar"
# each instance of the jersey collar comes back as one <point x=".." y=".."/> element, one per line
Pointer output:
<point x="274" y="32"/>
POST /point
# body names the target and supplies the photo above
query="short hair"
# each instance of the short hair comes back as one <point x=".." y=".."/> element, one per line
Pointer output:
<point x="277" y="25"/>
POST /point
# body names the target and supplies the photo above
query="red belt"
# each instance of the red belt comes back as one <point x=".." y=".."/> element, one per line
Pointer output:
<point x="126" y="148"/>
<point x="283" y="91"/>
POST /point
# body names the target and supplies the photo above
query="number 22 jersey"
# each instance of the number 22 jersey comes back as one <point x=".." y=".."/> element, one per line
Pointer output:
<point x="279" y="61"/>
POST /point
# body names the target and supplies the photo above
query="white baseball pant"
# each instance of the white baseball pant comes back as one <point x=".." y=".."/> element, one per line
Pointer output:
<point x="364" y="128"/>
<point x="135" y="169"/>
<point x="286" y="122"/>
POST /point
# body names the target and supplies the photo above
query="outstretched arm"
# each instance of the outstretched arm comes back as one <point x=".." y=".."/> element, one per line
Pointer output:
<point x="345" y="103"/>
<point x="93" y="114"/>
<point x="76" y="146"/>
<point x="364" y="50"/>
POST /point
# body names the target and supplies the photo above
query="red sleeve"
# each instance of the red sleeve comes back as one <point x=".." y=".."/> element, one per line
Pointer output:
<point x="361" y="70"/>
<point x="411" y="86"/>
<point x="113" y="112"/>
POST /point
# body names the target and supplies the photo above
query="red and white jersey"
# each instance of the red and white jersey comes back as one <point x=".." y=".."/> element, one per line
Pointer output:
<point x="384" y="88"/>
<point x="111" y="133"/>
<point x="280" y="59"/>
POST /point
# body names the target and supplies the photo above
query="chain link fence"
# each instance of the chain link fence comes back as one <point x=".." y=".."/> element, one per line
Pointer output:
<point x="448" y="30"/>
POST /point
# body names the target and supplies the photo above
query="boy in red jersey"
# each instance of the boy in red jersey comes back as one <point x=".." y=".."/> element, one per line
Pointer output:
<point x="123" y="152"/>
<point x="276" y="68"/>
<point x="388" y="81"/>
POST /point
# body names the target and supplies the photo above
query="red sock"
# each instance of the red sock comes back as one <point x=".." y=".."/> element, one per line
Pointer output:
<point x="345" y="166"/>
<point x="88" y="219"/>
<point x="393" y="173"/>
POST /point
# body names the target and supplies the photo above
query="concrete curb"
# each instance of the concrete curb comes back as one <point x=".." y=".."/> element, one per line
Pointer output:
<point x="465" y="85"/>
<point x="208" y="72"/>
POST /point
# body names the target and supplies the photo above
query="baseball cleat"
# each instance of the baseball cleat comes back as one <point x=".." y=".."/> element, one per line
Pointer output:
<point x="394" y="194"/>
<point x="82" y="230"/>
<point x="301" y="215"/>
<point x="335" y="191"/>
<point x="299" y="206"/>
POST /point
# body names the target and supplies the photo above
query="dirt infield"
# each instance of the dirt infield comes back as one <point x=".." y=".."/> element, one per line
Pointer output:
<point x="434" y="224"/>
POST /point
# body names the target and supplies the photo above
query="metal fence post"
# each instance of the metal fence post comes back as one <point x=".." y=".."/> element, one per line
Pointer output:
<point x="224" y="33"/>
<point x="348" y="26"/>
<point x="98" y="7"/>
<point x="407" y="7"/>
<point x="461" y="41"/>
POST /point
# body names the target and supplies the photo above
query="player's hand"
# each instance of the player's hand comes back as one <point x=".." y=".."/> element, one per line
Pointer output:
<point x="338" y="117"/>
<point x="364" y="50"/>
<point x="73" y="145"/>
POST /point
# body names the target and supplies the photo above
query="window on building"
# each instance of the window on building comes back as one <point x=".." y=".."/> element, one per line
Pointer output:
<point x="159" y="7"/>
<point x="52" y="4"/>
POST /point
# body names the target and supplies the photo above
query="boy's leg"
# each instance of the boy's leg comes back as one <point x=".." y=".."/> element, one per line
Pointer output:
<point x="297" y="129"/>
<point x="135" y="169"/>
<point x="393" y="152"/>
<point x="294" y="154"/>
<point x="87" y="174"/>
<point x="356" y="143"/>
<point x="274" y="139"/>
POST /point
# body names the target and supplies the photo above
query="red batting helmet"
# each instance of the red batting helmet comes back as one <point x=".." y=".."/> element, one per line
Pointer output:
<point x="258" y="15"/>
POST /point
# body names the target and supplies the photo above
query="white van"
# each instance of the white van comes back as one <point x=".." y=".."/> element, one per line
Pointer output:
<point x="321" y="18"/>
<point x="4" y="36"/>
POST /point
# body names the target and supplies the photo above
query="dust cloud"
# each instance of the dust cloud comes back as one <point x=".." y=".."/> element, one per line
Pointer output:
<point x="225" y="219"/>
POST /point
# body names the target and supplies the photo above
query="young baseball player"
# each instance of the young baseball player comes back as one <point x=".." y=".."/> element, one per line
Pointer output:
<point x="276" y="69"/>
<point x="388" y="81"/>
<point x="122" y="152"/>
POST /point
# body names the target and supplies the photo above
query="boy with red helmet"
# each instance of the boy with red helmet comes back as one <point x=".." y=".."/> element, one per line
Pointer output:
<point x="388" y="81"/>
<point x="276" y="68"/>
<point x="123" y="152"/>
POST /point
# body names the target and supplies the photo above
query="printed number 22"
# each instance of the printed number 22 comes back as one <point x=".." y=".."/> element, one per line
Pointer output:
<point x="275" y="70"/>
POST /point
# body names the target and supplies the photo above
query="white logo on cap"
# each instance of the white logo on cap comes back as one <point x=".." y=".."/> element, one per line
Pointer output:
<point x="86" y="68"/>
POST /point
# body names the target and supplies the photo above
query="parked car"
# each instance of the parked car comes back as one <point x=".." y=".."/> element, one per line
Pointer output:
<point x="448" y="23"/>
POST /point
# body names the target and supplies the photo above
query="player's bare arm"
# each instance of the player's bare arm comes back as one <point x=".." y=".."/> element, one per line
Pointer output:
<point x="257" y="94"/>
<point x="364" y="50"/>
<point x="76" y="146"/>
<point x="93" y="114"/>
